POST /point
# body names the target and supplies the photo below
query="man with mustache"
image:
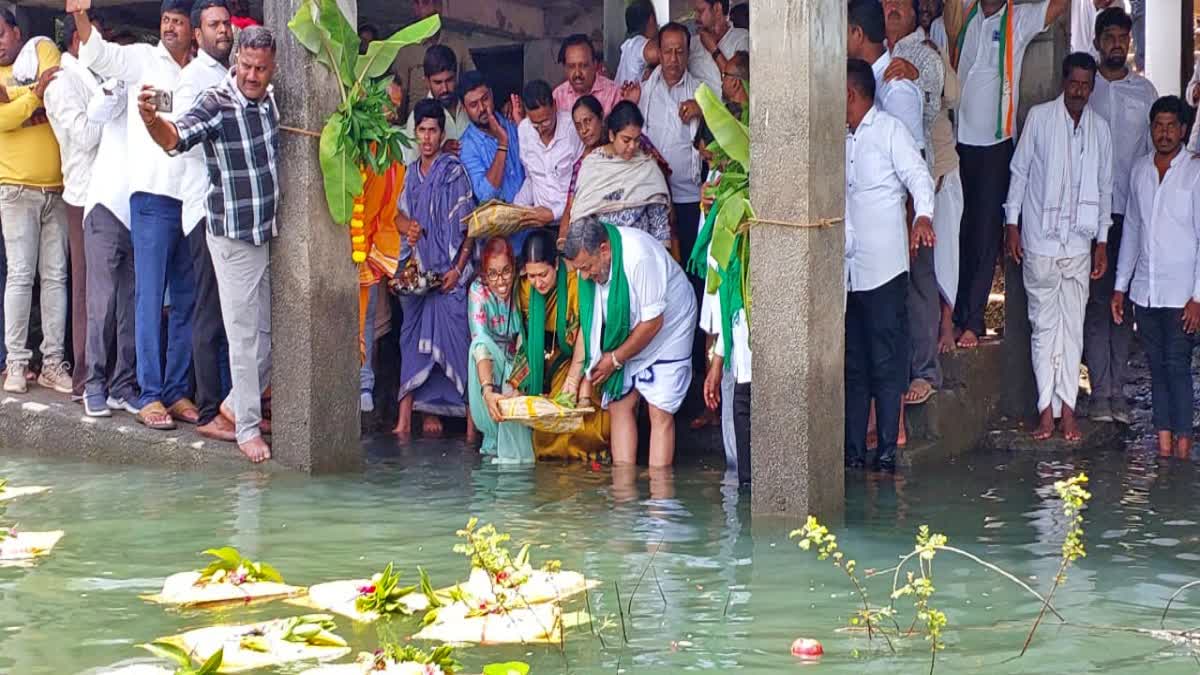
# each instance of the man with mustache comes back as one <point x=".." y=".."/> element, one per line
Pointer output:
<point x="213" y="30"/>
<point x="1123" y="99"/>
<point x="67" y="100"/>
<point x="988" y="43"/>
<point x="237" y="122"/>
<point x="441" y="77"/>
<point x="1083" y="23"/>
<point x="162" y="259"/>
<point x="491" y="148"/>
<point x="716" y="41"/>
<point x="1059" y="211"/>
<point x="1158" y="270"/>
<point x="578" y="59"/>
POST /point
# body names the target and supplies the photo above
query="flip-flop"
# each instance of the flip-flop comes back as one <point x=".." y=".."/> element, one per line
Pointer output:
<point x="155" y="416"/>
<point x="184" y="411"/>
<point x="926" y="391"/>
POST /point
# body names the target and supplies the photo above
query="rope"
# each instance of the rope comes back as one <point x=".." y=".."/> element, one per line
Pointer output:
<point x="817" y="224"/>
<point x="302" y="132"/>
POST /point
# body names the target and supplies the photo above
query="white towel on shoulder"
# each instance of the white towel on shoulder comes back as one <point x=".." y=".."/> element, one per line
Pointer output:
<point x="25" y="68"/>
<point x="1057" y="193"/>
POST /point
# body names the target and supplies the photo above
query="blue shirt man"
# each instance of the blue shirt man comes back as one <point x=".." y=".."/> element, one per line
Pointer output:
<point x="490" y="148"/>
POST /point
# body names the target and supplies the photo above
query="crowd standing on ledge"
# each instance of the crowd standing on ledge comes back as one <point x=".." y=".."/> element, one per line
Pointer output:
<point x="147" y="178"/>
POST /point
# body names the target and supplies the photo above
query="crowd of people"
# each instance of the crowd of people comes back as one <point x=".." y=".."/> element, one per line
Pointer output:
<point x="146" y="178"/>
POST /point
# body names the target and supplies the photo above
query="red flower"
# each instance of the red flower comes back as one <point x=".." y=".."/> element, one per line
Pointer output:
<point x="366" y="590"/>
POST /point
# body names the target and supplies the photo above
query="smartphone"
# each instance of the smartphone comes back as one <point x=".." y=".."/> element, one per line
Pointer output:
<point x="163" y="101"/>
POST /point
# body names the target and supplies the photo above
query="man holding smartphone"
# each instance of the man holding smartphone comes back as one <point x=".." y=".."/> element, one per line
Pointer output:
<point x="162" y="259"/>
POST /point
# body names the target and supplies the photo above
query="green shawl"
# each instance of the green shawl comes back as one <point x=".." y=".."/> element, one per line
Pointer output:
<point x="616" y="328"/>
<point x="535" y="332"/>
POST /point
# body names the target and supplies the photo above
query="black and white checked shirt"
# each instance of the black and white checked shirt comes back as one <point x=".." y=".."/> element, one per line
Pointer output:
<point x="241" y="148"/>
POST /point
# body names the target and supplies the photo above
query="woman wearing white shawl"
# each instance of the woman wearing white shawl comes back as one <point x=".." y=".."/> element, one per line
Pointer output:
<point x="622" y="182"/>
<point x="1062" y="182"/>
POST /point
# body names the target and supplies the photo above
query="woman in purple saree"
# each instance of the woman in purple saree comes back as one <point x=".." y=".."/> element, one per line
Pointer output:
<point x="435" y="337"/>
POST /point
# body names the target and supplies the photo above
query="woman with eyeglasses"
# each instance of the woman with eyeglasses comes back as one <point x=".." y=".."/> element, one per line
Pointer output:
<point x="495" y="325"/>
<point x="549" y="361"/>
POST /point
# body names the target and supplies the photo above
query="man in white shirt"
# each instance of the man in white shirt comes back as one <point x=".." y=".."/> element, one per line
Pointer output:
<point x="899" y="98"/>
<point x="214" y="35"/>
<point x="648" y="354"/>
<point x="441" y="77"/>
<point x="162" y="260"/>
<point x="929" y="15"/>
<point x="1058" y="212"/>
<point x="78" y="138"/>
<point x="549" y="147"/>
<point x="883" y="165"/>
<point x="715" y="42"/>
<point x="639" y="51"/>
<point x="1123" y="98"/>
<point x="1159" y="269"/>
<point x="110" y="275"/>
<point x="995" y="34"/>
<point x="1083" y="23"/>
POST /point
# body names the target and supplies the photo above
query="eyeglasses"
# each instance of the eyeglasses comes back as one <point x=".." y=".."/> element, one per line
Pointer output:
<point x="730" y="76"/>
<point x="505" y="274"/>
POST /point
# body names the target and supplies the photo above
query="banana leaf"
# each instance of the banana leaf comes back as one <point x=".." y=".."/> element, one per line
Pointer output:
<point x="730" y="217"/>
<point x="382" y="53"/>
<point x="321" y="27"/>
<point x="343" y="182"/>
<point x="727" y="130"/>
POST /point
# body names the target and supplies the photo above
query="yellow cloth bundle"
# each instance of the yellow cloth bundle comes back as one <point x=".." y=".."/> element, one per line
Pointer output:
<point x="495" y="218"/>
<point x="542" y="414"/>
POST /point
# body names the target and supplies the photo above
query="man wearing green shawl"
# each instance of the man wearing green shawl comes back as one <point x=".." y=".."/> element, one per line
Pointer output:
<point x="638" y="319"/>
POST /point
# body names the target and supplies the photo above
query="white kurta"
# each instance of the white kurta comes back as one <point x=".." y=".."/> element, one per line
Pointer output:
<point x="657" y="287"/>
<point x="947" y="222"/>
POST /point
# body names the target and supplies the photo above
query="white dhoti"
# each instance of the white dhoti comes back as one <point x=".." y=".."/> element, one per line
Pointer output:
<point x="947" y="220"/>
<point x="1058" y="291"/>
<point x="664" y="384"/>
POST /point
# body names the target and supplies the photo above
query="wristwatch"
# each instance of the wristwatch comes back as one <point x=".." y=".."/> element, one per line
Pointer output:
<point x="716" y="54"/>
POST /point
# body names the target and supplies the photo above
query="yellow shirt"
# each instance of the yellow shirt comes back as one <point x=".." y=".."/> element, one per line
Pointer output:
<point x="28" y="149"/>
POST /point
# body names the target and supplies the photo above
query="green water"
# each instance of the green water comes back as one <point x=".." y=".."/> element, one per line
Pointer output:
<point x="734" y="593"/>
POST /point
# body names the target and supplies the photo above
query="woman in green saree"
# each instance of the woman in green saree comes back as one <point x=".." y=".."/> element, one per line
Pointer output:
<point x="495" y="331"/>
<point x="549" y="361"/>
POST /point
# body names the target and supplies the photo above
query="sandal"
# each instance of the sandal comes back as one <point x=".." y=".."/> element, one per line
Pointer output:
<point x="919" y="391"/>
<point x="155" y="416"/>
<point x="184" y="411"/>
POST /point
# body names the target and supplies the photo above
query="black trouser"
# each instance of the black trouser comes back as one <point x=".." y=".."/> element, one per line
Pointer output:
<point x="111" y="348"/>
<point x="1169" y="351"/>
<point x="1105" y="344"/>
<point x="741" y="428"/>
<point x="877" y="359"/>
<point x="985" y="176"/>
<point x="210" y="350"/>
<point x="687" y="228"/>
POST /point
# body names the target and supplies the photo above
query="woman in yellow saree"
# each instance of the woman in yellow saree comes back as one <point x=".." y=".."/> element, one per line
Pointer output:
<point x="550" y="359"/>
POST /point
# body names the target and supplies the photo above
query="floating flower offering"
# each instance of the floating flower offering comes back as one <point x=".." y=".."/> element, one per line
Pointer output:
<point x="229" y="578"/>
<point x="265" y="644"/>
<point x="396" y="660"/>
<point x="369" y="600"/>
<point x="8" y="492"/>
<point x="15" y="545"/>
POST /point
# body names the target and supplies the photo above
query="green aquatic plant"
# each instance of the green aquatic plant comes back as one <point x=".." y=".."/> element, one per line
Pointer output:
<point x="183" y="660"/>
<point x="508" y="668"/>
<point x="229" y="565"/>
<point x="384" y="595"/>
<point x="1074" y="496"/>
<point x="441" y="658"/>
<point x="3" y="484"/>
<point x="816" y="537"/>
<point x="920" y="586"/>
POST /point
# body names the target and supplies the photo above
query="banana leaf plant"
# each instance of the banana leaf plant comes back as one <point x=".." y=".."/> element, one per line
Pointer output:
<point x="357" y="134"/>
<point x="726" y="224"/>
<point x="183" y="660"/>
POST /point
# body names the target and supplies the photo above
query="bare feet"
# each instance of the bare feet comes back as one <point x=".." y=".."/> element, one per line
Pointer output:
<point x="472" y="435"/>
<point x="431" y="426"/>
<point x="1183" y="447"/>
<point x="902" y="436"/>
<point x="218" y="429"/>
<point x="1166" y="443"/>
<point x="946" y="333"/>
<point x="707" y="418"/>
<point x="1070" y="426"/>
<point x="968" y="339"/>
<point x="1045" y="427"/>
<point x="256" y="450"/>
<point x="404" y="419"/>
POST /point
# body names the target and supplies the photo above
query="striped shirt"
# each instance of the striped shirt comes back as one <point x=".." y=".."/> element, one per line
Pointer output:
<point x="241" y="149"/>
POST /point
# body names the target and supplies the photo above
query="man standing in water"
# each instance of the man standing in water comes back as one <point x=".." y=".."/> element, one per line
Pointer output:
<point x="1059" y="211"/>
<point x="638" y="319"/>
<point x="1158" y="269"/>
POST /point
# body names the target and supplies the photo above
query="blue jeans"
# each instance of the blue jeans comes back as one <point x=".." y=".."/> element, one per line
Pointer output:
<point x="1169" y="351"/>
<point x="161" y="261"/>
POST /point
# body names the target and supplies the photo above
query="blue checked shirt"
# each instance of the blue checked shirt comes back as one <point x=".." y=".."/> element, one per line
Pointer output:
<point x="241" y="149"/>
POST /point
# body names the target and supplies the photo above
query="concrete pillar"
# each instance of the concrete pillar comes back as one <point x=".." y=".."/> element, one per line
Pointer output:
<point x="314" y="285"/>
<point x="1164" y="45"/>
<point x="614" y="32"/>
<point x="798" y="155"/>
